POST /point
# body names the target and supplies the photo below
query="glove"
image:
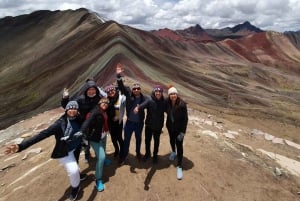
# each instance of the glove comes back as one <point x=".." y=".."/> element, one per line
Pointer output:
<point x="77" y="135"/>
<point x="180" y="136"/>
<point x="65" y="93"/>
<point x="65" y="138"/>
<point x="85" y="142"/>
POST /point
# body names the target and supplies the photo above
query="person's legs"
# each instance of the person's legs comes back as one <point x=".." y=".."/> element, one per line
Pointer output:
<point x="156" y="136"/>
<point x="70" y="164"/>
<point x="148" y="136"/>
<point x="138" y="129"/>
<point x="179" y="146"/>
<point x="100" y="154"/>
<point x="114" y="137"/>
<point x="128" y="130"/>
<point x="119" y="130"/>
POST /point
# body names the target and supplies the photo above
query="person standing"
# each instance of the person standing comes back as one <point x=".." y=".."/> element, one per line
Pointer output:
<point x="116" y="111"/>
<point x="135" y="121"/>
<point x="87" y="101"/>
<point x="65" y="130"/>
<point x="97" y="122"/>
<point x="177" y="119"/>
<point x="154" y="121"/>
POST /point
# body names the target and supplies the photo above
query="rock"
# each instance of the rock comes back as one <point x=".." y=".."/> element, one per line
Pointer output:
<point x="210" y="133"/>
<point x="292" y="144"/>
<point x="277" y="171"/>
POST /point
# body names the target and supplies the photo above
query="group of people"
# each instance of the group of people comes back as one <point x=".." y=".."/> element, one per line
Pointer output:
<point x="90" y="117"/>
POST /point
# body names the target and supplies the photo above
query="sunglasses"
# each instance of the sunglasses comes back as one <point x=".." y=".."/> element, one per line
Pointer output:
<point x="134" y="89"/>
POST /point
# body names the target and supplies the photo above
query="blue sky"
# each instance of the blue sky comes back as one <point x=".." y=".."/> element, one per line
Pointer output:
<point x="276" y="15"/>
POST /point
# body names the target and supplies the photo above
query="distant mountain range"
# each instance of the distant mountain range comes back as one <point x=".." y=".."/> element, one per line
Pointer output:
<point x="241" y="70"/>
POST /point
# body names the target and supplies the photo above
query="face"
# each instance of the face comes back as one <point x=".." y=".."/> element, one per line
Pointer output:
<point x="136" y="91"/>
<point x="157" y="95"/>
<point x="91" y="92"/>
<point x="103" y="106"/>
<point x="72" y="112"/>
<point x="173" y="97"/>
<point x="111" y="93"/>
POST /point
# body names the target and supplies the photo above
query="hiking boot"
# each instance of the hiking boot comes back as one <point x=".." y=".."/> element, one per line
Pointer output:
<point x="172" y="156"/>
<point x="83" y="176"/>
<point x="154" y="159"/>
<point x="99" y="185"/>
<point x="116" y="154"/>
<point x="74" y="193"/>
<point x="146" y="156"/>
<point x="107" y="162"/>
<point x="179" y="173"/>
<point x="139" y="156"/>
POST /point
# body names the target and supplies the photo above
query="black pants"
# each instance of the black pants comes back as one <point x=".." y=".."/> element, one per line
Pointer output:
<point x="148" y="136"/>
<point x="175" y="144"/>
<point x="116" y="136"/>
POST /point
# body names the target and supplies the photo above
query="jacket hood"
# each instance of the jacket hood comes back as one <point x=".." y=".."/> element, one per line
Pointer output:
<point x="90" y="84"/>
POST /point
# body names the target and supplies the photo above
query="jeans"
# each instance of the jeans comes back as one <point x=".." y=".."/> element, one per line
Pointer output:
<point x="137" y="128"/>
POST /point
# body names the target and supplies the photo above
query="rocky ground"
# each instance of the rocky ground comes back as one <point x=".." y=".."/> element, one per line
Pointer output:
<point x="223" y="161"/>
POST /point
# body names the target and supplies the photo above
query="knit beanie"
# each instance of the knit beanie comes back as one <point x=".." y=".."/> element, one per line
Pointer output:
<point x="158" y="88"/>
<point x="109" y="88"/>
<point x="172" y="90"/>
<point x="104" y="100"/>
<point x="136" y="85"/>
<point x="72" y="105"/>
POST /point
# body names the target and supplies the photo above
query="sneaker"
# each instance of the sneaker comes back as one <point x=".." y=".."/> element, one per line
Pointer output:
<point x="172" y="156"/>
<point x="107" y="162"/>
<point x="99" y="185"/>
<point x="179" y="173"/>
<point x="74" y="193"/>
<point x="83" y="177"/>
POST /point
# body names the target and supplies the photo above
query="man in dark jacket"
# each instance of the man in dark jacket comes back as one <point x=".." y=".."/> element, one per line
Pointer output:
<point x="87" y="101"/>
<point x="154" y="120"/>
<point x="64" y="130"/>
<point x="135" y="121"/>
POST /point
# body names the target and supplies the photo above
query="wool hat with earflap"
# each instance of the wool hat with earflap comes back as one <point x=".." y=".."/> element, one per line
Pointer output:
<point x="72" y="105"/>
<point x="172" y="90"/>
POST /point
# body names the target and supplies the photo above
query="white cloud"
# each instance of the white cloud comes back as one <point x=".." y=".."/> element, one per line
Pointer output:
<point x="277" y="15"/>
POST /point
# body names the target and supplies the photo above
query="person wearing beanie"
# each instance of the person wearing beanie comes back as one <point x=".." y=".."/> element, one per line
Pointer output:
<point x="177" y="120"/>
<point x="87" y="101"/>
<point x="116" y="111"/>
<point x="172" y="90"/>
<point x="154" y="121"/>
<point x="135" y="121"/>
<point x="99" y="124"/>
<point x="67" y="139"/>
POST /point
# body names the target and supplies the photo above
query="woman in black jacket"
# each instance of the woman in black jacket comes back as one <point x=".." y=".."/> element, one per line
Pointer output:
<point x="65" y="130"/>
<point x="95" y="129"/>
<point x="177" y="119"/>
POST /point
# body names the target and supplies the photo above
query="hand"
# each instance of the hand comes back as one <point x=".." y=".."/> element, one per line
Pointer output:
<point x="85" y="142"/>
<point x="136" y="109"/>
<point x="65" y="138"/>
<point x="180" y="137"/>
<point x="119" y="69"/>
<point x="78" y="134"/>
<point x="11" y="149"/>
<point x="65" y="93"/>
